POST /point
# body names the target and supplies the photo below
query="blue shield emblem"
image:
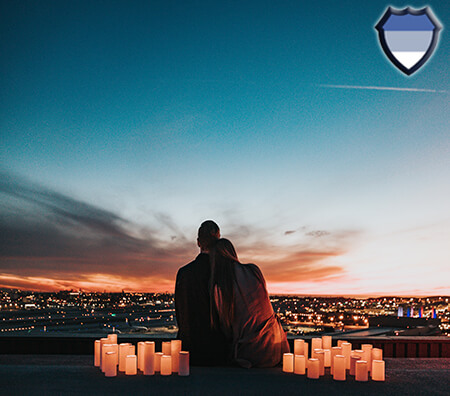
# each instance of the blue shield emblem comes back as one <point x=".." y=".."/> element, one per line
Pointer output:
<point x="408" y="37"/>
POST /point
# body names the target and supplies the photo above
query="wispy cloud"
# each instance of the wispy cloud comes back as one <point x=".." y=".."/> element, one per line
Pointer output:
<point x="377" y="88"/>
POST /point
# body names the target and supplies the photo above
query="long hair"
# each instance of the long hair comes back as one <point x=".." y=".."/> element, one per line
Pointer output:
<point x="223" y="258"/>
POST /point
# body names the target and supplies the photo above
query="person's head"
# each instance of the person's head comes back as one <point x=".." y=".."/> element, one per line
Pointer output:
<point x="224" y="251"/>
<point x="208" y="234"/>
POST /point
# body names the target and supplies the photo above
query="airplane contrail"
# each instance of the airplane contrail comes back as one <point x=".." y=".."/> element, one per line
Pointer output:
<point x="369" y="87"/>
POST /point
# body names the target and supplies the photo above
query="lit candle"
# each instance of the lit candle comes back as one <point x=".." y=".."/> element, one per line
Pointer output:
<point x="149" y="358"/>
<point x="339" y="343"/>
<point x="314" y="351"/>
<point x="346" y="351"/>
<point x="378" y="370"/>
<point x="97" y="353"/>
<point x="123" y="352"/>
<point x="106" y="348"/>
<point x="158" y="356"/>
<point x="112" y="338"/>
<point x="326" y="342"/>
<point x="166" y="348"/>
<point x="377" y="354"/>
<point x="299" y="346"/>
<point x="313" y="368"/>
<point x="299" y="364"/>
<point x="166" y="364"/>
<point x="361" y="373"/>
<point x="327" y="356"/>
<point x="110" y="364"/>
<point x="131" y="365"/>
<point x="141" y="353"/>
<point x="103" y="341"/>
<point x="183" y="368"/>
<point x="175" y="348"/>
<point x="320" y="355"/>
<point x="334" y="351"/>
<point x="367" y="348"/>
<point x="353" y="359"/>
<point x="288" y="362"/>
<point x="115" y="349"/>
<point x="131" y="349"/>
<point x="316" y="343"/>
<point x="339" y="368"/>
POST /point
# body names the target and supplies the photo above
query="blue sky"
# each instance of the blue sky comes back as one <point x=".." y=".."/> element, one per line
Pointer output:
<point x="165" y="113"/>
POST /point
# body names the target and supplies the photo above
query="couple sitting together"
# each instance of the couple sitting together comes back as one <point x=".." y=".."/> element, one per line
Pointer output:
<point x="223" y="309"/>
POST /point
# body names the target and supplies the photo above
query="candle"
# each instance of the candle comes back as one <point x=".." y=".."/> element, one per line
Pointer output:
<point x="339" y="368"/>
<point x="148" y="364"/>
<point x="299" y="364"/>
<point x="339" y="343"/>
<point x="158" y="356"/>
<point x="183" y="360"/>
<point x="115" y="349"/>
<point x="112" y="338"/>
<point x="288" y="362"/>
<point x="367" y="348"/>
<point x="123" y="352"/>
<point x="361" y="373"/>
<point x="327" y="356"/>
<point x="313" y="368"/>
<point x="321" y="356"/>
<point x="353" y="359"/>
<point x="166" y="364"/>
<point x="314" y="352"/>
<point x="299" y="347"/>
<point x="102" y="342"/>
<point x="106" y="348"/>
<point x="131" y="365"/>
<point x="166" y="348"/>
<point x="334" y="351"/>
<point x="346" y="350"/>
<point x="131" y="349"/>
<point x="378" y="370"/>
<point x="316" y="343"/>
<point x="110" y="364"/>
<point x="175" y="348"/>
<point x="97" y="353"/>
<point x="326" y="342"/>
<point x="141" y="353"/>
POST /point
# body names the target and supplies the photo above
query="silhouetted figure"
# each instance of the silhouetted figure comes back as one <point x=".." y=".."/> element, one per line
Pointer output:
<point x="207" y="346"/>
<point x="242" y="310"/>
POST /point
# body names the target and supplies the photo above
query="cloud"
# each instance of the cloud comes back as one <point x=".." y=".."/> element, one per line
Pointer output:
<point x="377" y="88"/>
<point x="318" y="233"/>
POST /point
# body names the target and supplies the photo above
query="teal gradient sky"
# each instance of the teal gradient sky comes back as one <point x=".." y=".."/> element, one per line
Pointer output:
<point x="127" y="124"/>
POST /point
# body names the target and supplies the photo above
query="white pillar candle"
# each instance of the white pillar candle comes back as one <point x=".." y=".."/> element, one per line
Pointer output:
<point x="320" y="355"/>
<point x="112" y="338"/>
<point x="140" y="355"/>
<point x="131" y="349"/>
<point x="339" y="368"/>
<point x="97" y="353"/>
<point x="106" y="348"/>
<point x="175" y="348"/>
<point x="102" y="342"/>
<point x="377" y="354"/>
<point x="131" y="365"/>
<point x="327" y="356"/>
<point x="346" y="351"/>
<point x="183" y="368"/>
<point x="116" y="350"/>
<point x="148" y="365"/>
<point x="316" y="343"/>
<point x="110" y="364"/>
<point x="361" y="373"/>
<point x="288" y="362"/>
<point x="353" y="359"/>
<point x="339" y="343"/>
<point x="378" y="370"/>
<point x="299" y="346"/>
<point x="367" y="348"/>
<point x="158" y="356"/>
<point x="314" y="352"/>
<point x="166" y="348"/>
<point x="313" y="368"/>
<point x="299" y="364"/>
<point x="166" y="364"/>
<point x="123" y="352"/>
<point x="334" y="351"/>
<point x="326" y="342"/>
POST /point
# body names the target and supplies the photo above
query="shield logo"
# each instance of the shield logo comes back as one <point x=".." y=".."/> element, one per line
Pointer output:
<point x="408" y="37"/>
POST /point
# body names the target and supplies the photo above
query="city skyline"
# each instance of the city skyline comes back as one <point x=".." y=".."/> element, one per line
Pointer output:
<point x="124" y="126"/>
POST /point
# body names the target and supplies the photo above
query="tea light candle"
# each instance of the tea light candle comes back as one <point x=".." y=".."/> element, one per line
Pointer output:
<point x="361" y="373"/>
<point x="346" y="350"/>
<point x="378" y="370"/>
<point x="112" y="338"/>
<point x="123" y="352"/>
<point x="166" y="364"/>
<point x="103" y="341"/>
<point x="106" y="348"/>
<point x="149" y="358"/>
<point x="131" y="365"/>
<point x="288" y="362"/>
<point x="367" y="348"/>
<point x="183" y="367"/>
<point x="97" y="353"/>
<point x="334" y="351"/>
<point x="175" y="348"/>
<point x="353" y="359"/>
<point x="313" y="368"/>
<point x="166" y="348"/>
<point x="377" y="354"/>
<point x="326" y="342"/>
<point x="299" y="364"/>
<point x="140" y="355"/>
<point x="339" y="368"/>
<point x="320" y="355"/>
<point x="299" y="347"/>
<point x="316" y="343"/>
<point x="327" y="356"/>
<point x="110" y="364"/>
<point x="158" y="356"/>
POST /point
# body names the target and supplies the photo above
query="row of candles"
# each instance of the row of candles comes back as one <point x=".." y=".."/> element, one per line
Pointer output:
<point x="358" y="362"/>
<point x="110" y="356"/>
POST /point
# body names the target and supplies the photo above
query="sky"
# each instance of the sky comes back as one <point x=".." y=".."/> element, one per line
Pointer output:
<point x="124" y="125"/>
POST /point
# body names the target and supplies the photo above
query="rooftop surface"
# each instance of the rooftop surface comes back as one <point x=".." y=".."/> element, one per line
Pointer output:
<point x="76" y="375"/>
